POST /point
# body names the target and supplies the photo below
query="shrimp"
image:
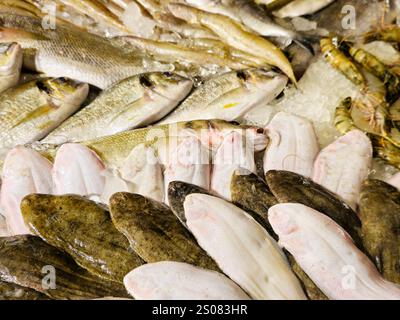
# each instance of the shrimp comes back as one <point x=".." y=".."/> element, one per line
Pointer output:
<point x="343" y="121"/>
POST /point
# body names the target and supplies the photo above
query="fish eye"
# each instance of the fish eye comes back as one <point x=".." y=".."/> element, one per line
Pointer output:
<point x="168" y="74"/>
<point x="43" y="87"/>
<point x="241" y="75"/>
<point x="145" y="82"/>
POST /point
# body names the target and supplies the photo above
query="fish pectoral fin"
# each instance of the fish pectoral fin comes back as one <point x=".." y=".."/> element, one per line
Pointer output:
<point x="36" y="113"/>
<point x="130" y="110"/>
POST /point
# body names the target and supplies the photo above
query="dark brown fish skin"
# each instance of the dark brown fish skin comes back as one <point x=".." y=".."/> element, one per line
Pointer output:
<point x="177" y="192"/>
<point x="250" y="193"/>
<point x="154" y="232"/>
<point x="12" y="291"/>
<point x="380" y="216"/>
<point x="83" y="229"/>
<point x="22" y="259"/>
<point x="290" y="187"/>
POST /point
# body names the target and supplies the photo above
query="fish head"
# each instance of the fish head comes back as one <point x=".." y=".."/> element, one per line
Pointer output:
<point x="260" y="79"/>
<point x="167" y="84"/>
<point x="10" y="57"/>
<point x="63" y="90"/>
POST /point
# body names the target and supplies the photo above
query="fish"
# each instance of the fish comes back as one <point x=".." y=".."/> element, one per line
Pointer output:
<point x="141" y="173"/>
<point x="10" y="65"/>
<point x="89" y="58"/>
<point x="250" y="193"/>
<point x="11" y="291"/>
<point x="242" y="248"/>
<point x="33" y="109"/>
<point x="188" y="162"/>
<point x="134" y="102"/>
<point x="290" y="187"/>
<point x="168" y="280"/>
<point x="380" y="216"/>
<point x="113" y="150"/>
<point x="234" y="153"/>
<point x="77" y="170"/>
<point x="293" y="145"/>
<point x="253" y="16"/>
<point x="298" y="8"/>
<point x="30" y="262"/>
<point x="154" y="232"/>
<point x="229" y="96"/>
<point x="83" y="229"/>
<point x="342" y="166"/>
<point x="25" y="171"/>
<point x="177" y="193"/>
<point x="235" y="35"/>
<point x="328" y="255"/>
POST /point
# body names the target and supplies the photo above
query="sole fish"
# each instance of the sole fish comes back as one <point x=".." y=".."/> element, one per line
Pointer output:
<point x="242" y="248"/>
<point x="23" y="259"/>
<point x="154" y="232"/>
<point x="169" y="280"/>
<point x="134" y="102"/>
<point x="83" y="229"/>
<point x="343" y="165"/>
<point x="24" y="172"/>
<point x="293" y="144"/>
<point x="328" y="255"/>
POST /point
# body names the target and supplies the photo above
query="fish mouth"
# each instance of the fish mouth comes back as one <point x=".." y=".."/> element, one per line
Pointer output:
<point x="10" y="58"/>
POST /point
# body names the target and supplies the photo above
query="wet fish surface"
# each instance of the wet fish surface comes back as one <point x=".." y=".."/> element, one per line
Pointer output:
<point x="154" y="232"/>
<point x="10" y="65"/>
<point x="83" y="229"/>
<point x="23" y="259"/>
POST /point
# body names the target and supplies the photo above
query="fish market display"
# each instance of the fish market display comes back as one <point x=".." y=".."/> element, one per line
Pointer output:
<point x="180" y="281"/>
<point x="199" y="150"/>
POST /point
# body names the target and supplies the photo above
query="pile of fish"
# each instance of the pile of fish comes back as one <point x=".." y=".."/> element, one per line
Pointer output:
<point x="159" y="149"/>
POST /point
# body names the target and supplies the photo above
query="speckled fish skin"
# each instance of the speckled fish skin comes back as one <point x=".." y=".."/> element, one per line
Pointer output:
<point x="168" y="280"/>
<point x="343" y="165"/>
<point x="24" y="172"/>
<point x="328" y="255"/>
<point x="380" y="216"/>
<point x="290" y="187"/>
<point x="89" y="58"/>
<point x="154" y="232"/>
<point x="293" y="145"/>
<point x="22" y="261"/>
<point x="234" y="153"/>
<point x="33" y="109"/>
<point x="10" y="65"/>
<point x="77" y="170"/>
<point x="134" y="102"/>
<point x="229" y="96"/>
<point x="113" y="150"/>
<point x="251" y="193"/>
<point x="12" y="291"/>
<point x="188" y="162"/>
<point x="83" y="229"/>
<point x="298" y="8"/>
<point x="177" y="192"/>
<point x="242" y="248"/>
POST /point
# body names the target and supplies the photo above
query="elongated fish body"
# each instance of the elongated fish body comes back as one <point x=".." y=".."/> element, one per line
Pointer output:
<point x="69" y="52"/>
<point x="10" y="65"/>
<point x="31" y="110"/>
<point x="298" y="8"/>
<point x="141" y="173"/>
<point x="234" y="34"/>
<point x="242" y="248"/>
<point x="293" y="145"/>
<point x="168" y="280"/>
<point x="343" y="165"/>
<point x="188" y="162"/>
<point x="235" y="153"/>
<point x="328" y="255"/>
<point x="136" y="101"/>
<point x="77" y="170"/>
<point x="230" y="95"/>
<point x="24" y="172"/>
<point x="113" y="150"/>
